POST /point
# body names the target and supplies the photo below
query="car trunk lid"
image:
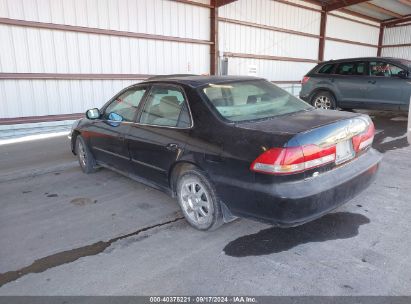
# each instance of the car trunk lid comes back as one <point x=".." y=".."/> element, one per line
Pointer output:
<point x="297" y="122"/>
<point x="321" y="141"/>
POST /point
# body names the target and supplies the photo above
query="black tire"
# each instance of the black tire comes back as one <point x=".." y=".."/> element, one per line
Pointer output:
<point x="208" y="208"/>
<point x="324" y="100"/>
<point x="85" y="158"/>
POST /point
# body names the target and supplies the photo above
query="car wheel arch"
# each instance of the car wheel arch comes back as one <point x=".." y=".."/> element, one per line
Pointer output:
<point x="176" y="170"/>
<point x="316" y="91"/>
<point x="74" y="136"/>
<point x="182" y="166"/>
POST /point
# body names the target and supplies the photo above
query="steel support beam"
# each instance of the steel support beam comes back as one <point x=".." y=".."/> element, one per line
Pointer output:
<point x="323" y="28"/>
<point x="380" y="40"/>
<point x="392" y="22"/>
<point x="214" y="38"/>
<point x="219" y="3"/>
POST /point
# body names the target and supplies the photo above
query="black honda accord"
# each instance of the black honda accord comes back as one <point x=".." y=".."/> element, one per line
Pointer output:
<point x="230" y="147"/>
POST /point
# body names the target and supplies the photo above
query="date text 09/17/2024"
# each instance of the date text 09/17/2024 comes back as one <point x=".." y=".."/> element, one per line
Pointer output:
<point x="203" y="299"/>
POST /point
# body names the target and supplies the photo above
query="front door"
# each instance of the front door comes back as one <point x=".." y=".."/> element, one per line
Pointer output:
<point x="108" y="133"/>
<point x="387" y="91"/>
<point x="158" y="138"/>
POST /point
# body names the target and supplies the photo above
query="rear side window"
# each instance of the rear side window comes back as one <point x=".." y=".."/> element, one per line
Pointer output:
<point x="167" y="107"/>
<point x="360" y="68"/>
<point x="326" y="69"/>
<point x="351" y="68"/>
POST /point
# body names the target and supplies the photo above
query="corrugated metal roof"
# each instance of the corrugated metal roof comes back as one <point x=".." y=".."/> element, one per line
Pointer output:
<point x="358" y="8"/>
<point x="394" y="6"/>
<point x="378" y="10"/>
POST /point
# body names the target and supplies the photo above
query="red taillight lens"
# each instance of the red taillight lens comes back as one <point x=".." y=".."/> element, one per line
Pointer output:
<point x="305" y="80"/>
<point x="292" y="160"/>
<point x="365" y="139"/>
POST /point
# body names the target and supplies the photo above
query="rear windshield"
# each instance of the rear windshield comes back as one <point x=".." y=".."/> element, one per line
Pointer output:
<point x="251" y="100"/>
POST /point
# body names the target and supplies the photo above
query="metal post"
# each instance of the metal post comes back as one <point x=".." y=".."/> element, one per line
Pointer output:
<point x="380" y="40"/>
<point x="214" y="38"/>
<point x="323" y="27"/>
<point x="409" y="124"/>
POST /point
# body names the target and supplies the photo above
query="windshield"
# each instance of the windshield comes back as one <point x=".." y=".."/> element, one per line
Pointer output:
<point x="251" y="100"/>
<point x="405" y="62"/>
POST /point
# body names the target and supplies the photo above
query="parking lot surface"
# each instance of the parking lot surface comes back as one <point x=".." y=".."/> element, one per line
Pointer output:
<point x="63" y="232"/>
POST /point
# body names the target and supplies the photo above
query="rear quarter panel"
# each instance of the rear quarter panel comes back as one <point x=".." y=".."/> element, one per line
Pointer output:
<point x="319" y="83"/>
<point x="225" y="152"/>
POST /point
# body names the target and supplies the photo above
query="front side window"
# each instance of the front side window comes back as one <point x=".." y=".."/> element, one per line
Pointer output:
<point x="167" y="107"/>
<point x="405" y="62"/>
<point x="383" y="69"/>
<point x="125" y="106"/>
<point x="251" y="100"/>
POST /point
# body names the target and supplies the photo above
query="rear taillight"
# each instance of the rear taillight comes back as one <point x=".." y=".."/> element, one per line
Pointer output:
<point x="364" y="139"/>
<point x="290" y="160"/>
<point x="305" y="80"/>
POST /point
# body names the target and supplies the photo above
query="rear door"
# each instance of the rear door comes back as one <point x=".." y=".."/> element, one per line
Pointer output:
<point x="351" y="83"/>
<point x="387" y="90"/>
<point x="107" y="134"/>
<point x="158" y="137"/>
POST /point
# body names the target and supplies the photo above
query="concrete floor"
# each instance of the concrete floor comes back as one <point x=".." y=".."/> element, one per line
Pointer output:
<point x="66" y="233"/>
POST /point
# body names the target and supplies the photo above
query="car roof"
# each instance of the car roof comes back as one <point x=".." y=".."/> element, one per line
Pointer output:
<point x="198" y="80"/>
<point x="392" y="59"/>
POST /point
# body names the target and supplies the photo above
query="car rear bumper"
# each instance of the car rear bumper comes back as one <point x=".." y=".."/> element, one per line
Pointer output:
<point x="294" y="203"/>
<point x="306" y="98"/>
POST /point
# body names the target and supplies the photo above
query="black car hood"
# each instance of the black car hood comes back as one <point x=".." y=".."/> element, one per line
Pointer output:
<point x="297" y="122"/>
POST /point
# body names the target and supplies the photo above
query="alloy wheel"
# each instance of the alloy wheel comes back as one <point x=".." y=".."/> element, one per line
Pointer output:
<point x="322" y="102"/>
<point x="196" y="201"/>
<point x="82" y="154"/>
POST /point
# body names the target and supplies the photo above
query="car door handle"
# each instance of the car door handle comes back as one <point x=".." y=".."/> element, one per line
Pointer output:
<point x="172" y="147"/>
<point x="372" y="81"/>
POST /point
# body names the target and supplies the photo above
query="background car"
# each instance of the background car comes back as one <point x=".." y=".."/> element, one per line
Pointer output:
<point x="230" y="147"/>
<point x="363" y="83"/>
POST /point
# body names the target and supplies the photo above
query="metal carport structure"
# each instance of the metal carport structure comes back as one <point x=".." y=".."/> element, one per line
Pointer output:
<point x="58" y="58"/>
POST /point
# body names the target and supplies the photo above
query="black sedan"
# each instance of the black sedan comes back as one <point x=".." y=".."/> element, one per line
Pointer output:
<point x="230" y="147"/>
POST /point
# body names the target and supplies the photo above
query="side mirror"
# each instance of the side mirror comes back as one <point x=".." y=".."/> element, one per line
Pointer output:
<point x="115" y="117"/>
<point x="403" y="74"/>
<point x="93" y="113"/>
